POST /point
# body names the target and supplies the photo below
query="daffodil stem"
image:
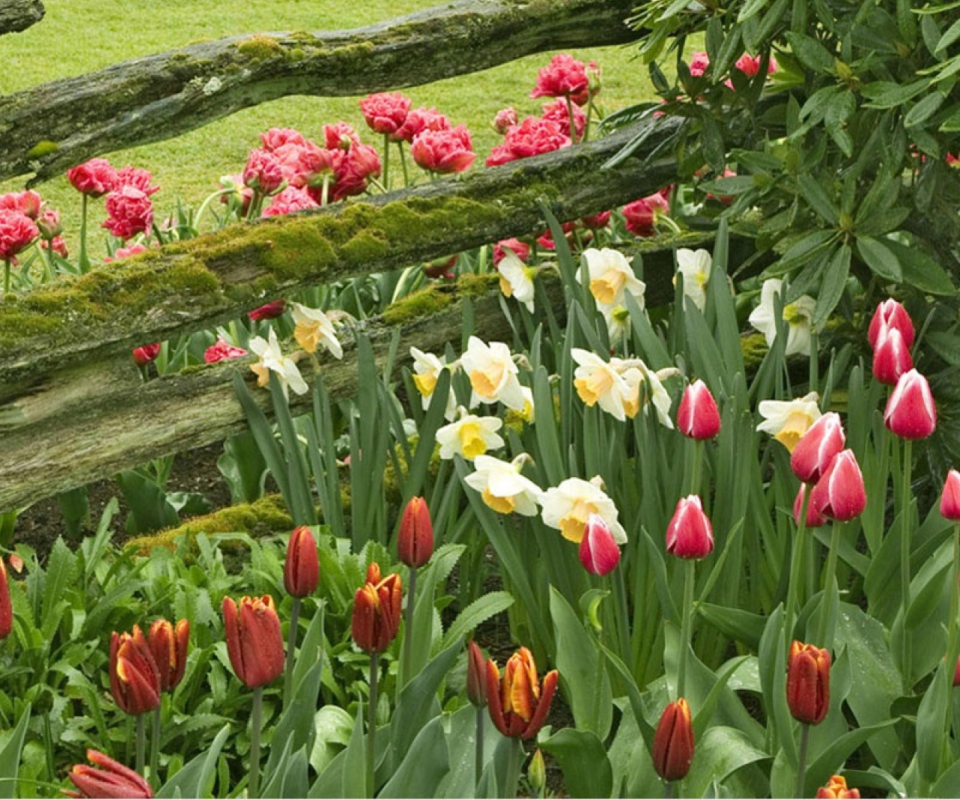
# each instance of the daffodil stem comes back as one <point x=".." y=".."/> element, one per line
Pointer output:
<point x="372" y="723"/>
<point x="291" y="649"/>
<point x="689" y="580"/>
<point x="802" y="758"/>
<point x="84" y="258"/>
<point x="796" y="564"/>
<point x="906" y="467"/>
<point x="408" y="631"/>
<point x="828" y="580"/>
<point x="478" y="761"/>
<point x="514" y="760"/>
<point x="141" y="743"/>
<point x="256" y="722"/>
<point x="155" y="747"/>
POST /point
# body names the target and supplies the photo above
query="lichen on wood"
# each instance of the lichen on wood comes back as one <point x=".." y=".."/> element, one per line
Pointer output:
<point x="18" y="15"/>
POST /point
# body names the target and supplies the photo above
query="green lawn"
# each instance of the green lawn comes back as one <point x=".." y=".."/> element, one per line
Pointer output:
<point x="79" y="36"/>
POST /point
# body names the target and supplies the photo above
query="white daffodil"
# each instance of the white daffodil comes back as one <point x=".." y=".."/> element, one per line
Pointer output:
<point x="502" y="486"/>
<point x="470" y="436"/>
<point x="600" y="383"/>
<point x="313" y="328"/>
<point x="567" y="508"/>
<point x="694" y="265"/>
<point x="528" y="414"/>
<point x="787" y="420"/>
<point x="426" y="373"/>
<point x="798" y="314"/>
<point x="646" y="388"/>
<point x="516" y="279"/>
<point x="492" y="373"/>
<point x="611" y="276"/>
<point x="272" y="359"/>
<point x="618" y="321"/>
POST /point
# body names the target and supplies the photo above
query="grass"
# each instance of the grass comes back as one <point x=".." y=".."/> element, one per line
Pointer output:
<point x="81" y="36"/>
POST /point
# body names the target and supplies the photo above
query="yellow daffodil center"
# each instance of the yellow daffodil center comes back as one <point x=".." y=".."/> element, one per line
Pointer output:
<point x="307" y="335"/>
<point x="505" y="287"/>
<point x="606" y="287"/>
<point x="425" y="383"/>
<point x="486" y="383"/>
<point x="794" y="315"/>
<point x="471" y="440"/>
<point x="594" y="386"/>
<point x="797" y="424"/>
<point x="263" y="374"/>
<point x="502" y="505"/>
<point x="573" y="524"/>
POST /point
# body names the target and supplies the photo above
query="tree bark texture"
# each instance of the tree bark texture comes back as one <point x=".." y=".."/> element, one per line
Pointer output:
<point x="54" y="126"/>
<point x="18" y="15"/>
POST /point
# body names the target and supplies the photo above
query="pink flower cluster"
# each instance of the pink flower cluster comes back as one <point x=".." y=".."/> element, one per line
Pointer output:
<point x="128" y="191"/>
<point x="23" y="219"/>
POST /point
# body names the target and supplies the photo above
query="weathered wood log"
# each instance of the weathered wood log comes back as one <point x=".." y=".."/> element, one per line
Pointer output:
<point x="203" y="282"/>
<point x="54" y="126"/>
<point x="18" y="15"/>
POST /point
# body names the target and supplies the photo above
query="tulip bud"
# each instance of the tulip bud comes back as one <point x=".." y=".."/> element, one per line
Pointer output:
<point x="840" y="494"/>
<point x="698" y="416"/>
<point x="107" y="778"/>
<point x="956" y="674"/>
<point x="949" y="500"/>
<point x="814" y="518"/>
<point x="415" y="541"/>
<point x="673" y="742"/>
<point x="376" y="611"/>
<point x="271" y="310"/>
<point x="690" y="534"/>
<point x="144" y="355"/>
<point x="817" y="447"/>
<point x="6" y="606"/>
<point x="891" y="357"/>
<point x="168" y="645"/>
<point x="301" y="570"/>
<point x="808" y="683"/>
<point x="599" y="552"/>
<point x="537" y="773"/>
<point x="476" y="676"/>
<point x="134" y="677"/>
<point x="518" y="704"/>
<point x="254" y="639"/>
<point x="891" y="314"/>
<point x="911" y="412"/>
<point x="836" y="789"/>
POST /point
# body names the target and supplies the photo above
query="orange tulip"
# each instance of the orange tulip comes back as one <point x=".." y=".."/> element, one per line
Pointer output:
<point x="673" y="742"/>
<point x="476" y="683"/>
<point x="168" y="644"/>
<point x="376" y="610"/>
<point x="301" y="571"/>
<point x="107" y="778"/>
<point x="808" y="683"/>
<point x="837" y="788"/>
<point x="254" y="639"/>
<point x="518" y="703"/>
<point x="134" y="677"/>
<point x="415" y="541"/>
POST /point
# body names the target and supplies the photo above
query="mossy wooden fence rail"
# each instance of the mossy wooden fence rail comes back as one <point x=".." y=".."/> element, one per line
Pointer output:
<point x="72" y="405"/>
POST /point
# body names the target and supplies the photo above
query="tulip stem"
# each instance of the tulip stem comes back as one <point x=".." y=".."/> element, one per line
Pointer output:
<point x="828" y="582"/>
<point x="155" y="747"/>
<point x="906" y="468"/>
<point x="668" y="790"/>
<point x="478" y="763"/>
<point x="372" y="722"/>
<point x="514" y="759"/>
<point x="623" y="615"/>
<point x="689" y="579"/>
<point x="256" y="722"/>
<point x="291" y="647"/>
<point x="796" y="564"/>
<point x="697" y="466"/>
<point x="802" y="758"/>
<point x="408" y="632"/>
<point x="141" y="743"/>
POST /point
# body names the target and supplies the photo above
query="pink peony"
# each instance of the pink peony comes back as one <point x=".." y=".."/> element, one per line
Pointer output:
<point x="564" y="76"/>
<point x="129" y="212"/>
<point x="136" y="177"/>
<point x="641" y="215"/>
<point x="221" y="351"/>
<point x="520" y="249"/>
<point x="595" y="222"/>
<point x="27" y="203"/>
<point x="750" y="65"/>
<point x="444" y="151"/>
<point x="263" y="172"/>
<point x="385" y="112"/>
<point x="94" y="178"/>
<point x="419" y="120"/>
<point x="339" y="136"/>
<point x="275" y="138"/>
<point x="698" y="64"/>
<point x="358" y="166"/>
<point x="17" y="231"/>
<point x="532" y="137"/>
<point x="305" y="165"/>
<point x="126" y="252"/>
<point x="289" y="201"/>
<point x="506" y="118"/>
<point x="49" y="223"/>
<point x="558" y="112"/>
<point x="57" y="244"/>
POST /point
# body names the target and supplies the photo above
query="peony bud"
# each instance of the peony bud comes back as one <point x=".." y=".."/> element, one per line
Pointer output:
<point x="836" y="789"/>
<point x="891" y="357"/>
<point x="107" y="778"/>
<point x="891" y="314"/>
<point x="301" y="570"/>
<point x="808" y="683"/>
<point x="518" y="703"/>
<point x="817" y="447"/>
<point x="415" y="541"/>
<point x="376" y="611"/>
<point x="254" y="639"/>
<point x="911" y="412"/>
<point x="168" y="645"/>
<point x="599" y="552"/>
<point x="698" y="416"/>
<point x="950" y="499"/>
<point x="689" y="534"/>
<point x="673" y="742"/>
<point x="134" y="678"/>
<point x="840" y="494"/>
<point x="476" y="675"/>
<point x="814" y="518"/>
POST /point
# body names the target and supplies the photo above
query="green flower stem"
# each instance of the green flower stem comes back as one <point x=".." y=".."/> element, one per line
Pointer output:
<point x="49" y="270"/>
<point x="372" y="723"/>
<point x="906" y="468"/>
<point x="953" y="646"/>
<point x="623" y="614"/>
<point x="408" y="631"/>
<point x="514" y="759"/>
<point x="573" y="123"/>
<point x="796" y="564"/>
<point x="386" y="161"/>
<point x="291" y="648"/>
<point x="403" y="164"/>
<point x="828" y="581"/>
<point x="141" y="743"/>
<point x="814" y="361"/>
<point x="802" y="758"/>
<point x="155" y="747"/>
<point x="6" y="277"/>
<point x="689" y="580"/>
<point x="48" y="746"/>
<point x="668" y="790"/>
<point x="256" y="723"/>
<point x="84" y="258"/>
<point x="206" y="205"/>
<point x="478" y="760"/>
<point x="586" y="130"/>
<point x="697" y="467"/>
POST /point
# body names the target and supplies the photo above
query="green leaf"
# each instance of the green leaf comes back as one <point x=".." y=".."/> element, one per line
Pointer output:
<point x="811" y="53"/>
<point x="742" y="626"/>
<point x="354" y="765"/>
<point x="921" y="271"/>
<point x="923" y="110"/>
<point x="461" y="730"/>
<point x="773" y="679"/>
<point x="889" y="94"/>
<point x="478" y="611"/>
<point x="417" y="471"/>
<point x="295" y="730"/>
<point x="719" y="753"/>
<point x="803" y="250"/>
<point x="586" y="768"/>
<point x="834" y="282"/>
<point x="876" y="255"/>
<point x="332" y="728"/>
<point x="949" y="37"/>
<point x="818" y="199"/>
<point x="263" y="433"/>
<point x="195" y="779"/>
<point x="424" y="767"/>
<point x="60" y="574"/>
<point x="833" y="757"/>
<point x="10" y="756"/>
<point x="931" y="722"/>
<point x="705" y="711"/>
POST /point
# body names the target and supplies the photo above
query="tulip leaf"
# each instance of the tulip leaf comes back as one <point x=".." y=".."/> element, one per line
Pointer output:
<point x="586" y="767"/>
<point x="310" y="653"/>
<point x="773" y="679"/>
<point x="461" y="730"/>
<point x="289" y="778"/>
<point x="582" y="670"/>
<point x="263" y="433"/>
<point x="832" y="758"/>
<point x="353" y="766"/>
<point x="720" y="752"/>
<point x="876" y="778"/>
<point x="194" y="779"/>
<point x="633" y="694"/>
<point x="332" y="726"/>
<point x="295" y="730"/>
<point x="424" y="767"/>
<point x="931" y="723"/>
<point x="10" y="756"/>
<point x="705" y="711"/>
<point x="425" y="631"/>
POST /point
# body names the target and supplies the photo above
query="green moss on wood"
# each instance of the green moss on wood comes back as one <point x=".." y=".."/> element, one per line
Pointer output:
<point x="43" y="148"/>
<point x="259" y="47"/>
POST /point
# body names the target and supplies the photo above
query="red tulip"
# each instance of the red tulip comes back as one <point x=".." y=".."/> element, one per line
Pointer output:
<point x="168" y="645"/>
<point x="107" y="778"/>
<point x="673" y="742"/>
<point x="814" y="518"/>
<point x="144" y="355"/>
<point x="301" y="571"/>
<point x="698" y="416"/>
<point x="254" y="640"/>
<point x="415" y="541"/>
<point x="518" y="703"/>
<point x="134" y="677"/>
<point x="911" y="412"/>
<point x="836" y="789"/>
<point x="949" y="500"/>
<point x="891" y="314"/>
<point x="817" y="447"/>
<point x="6" y="606"/>
<point x="891" y="357"/>
<point x="476" y="676"/>
<point x="689" y="534"/>
<point x="271" y="310"/>
<point x="599" y="552"/>
<point x="840" y="494"/>
<point x="808" y="683"/>
<point x="376" y="610"/>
